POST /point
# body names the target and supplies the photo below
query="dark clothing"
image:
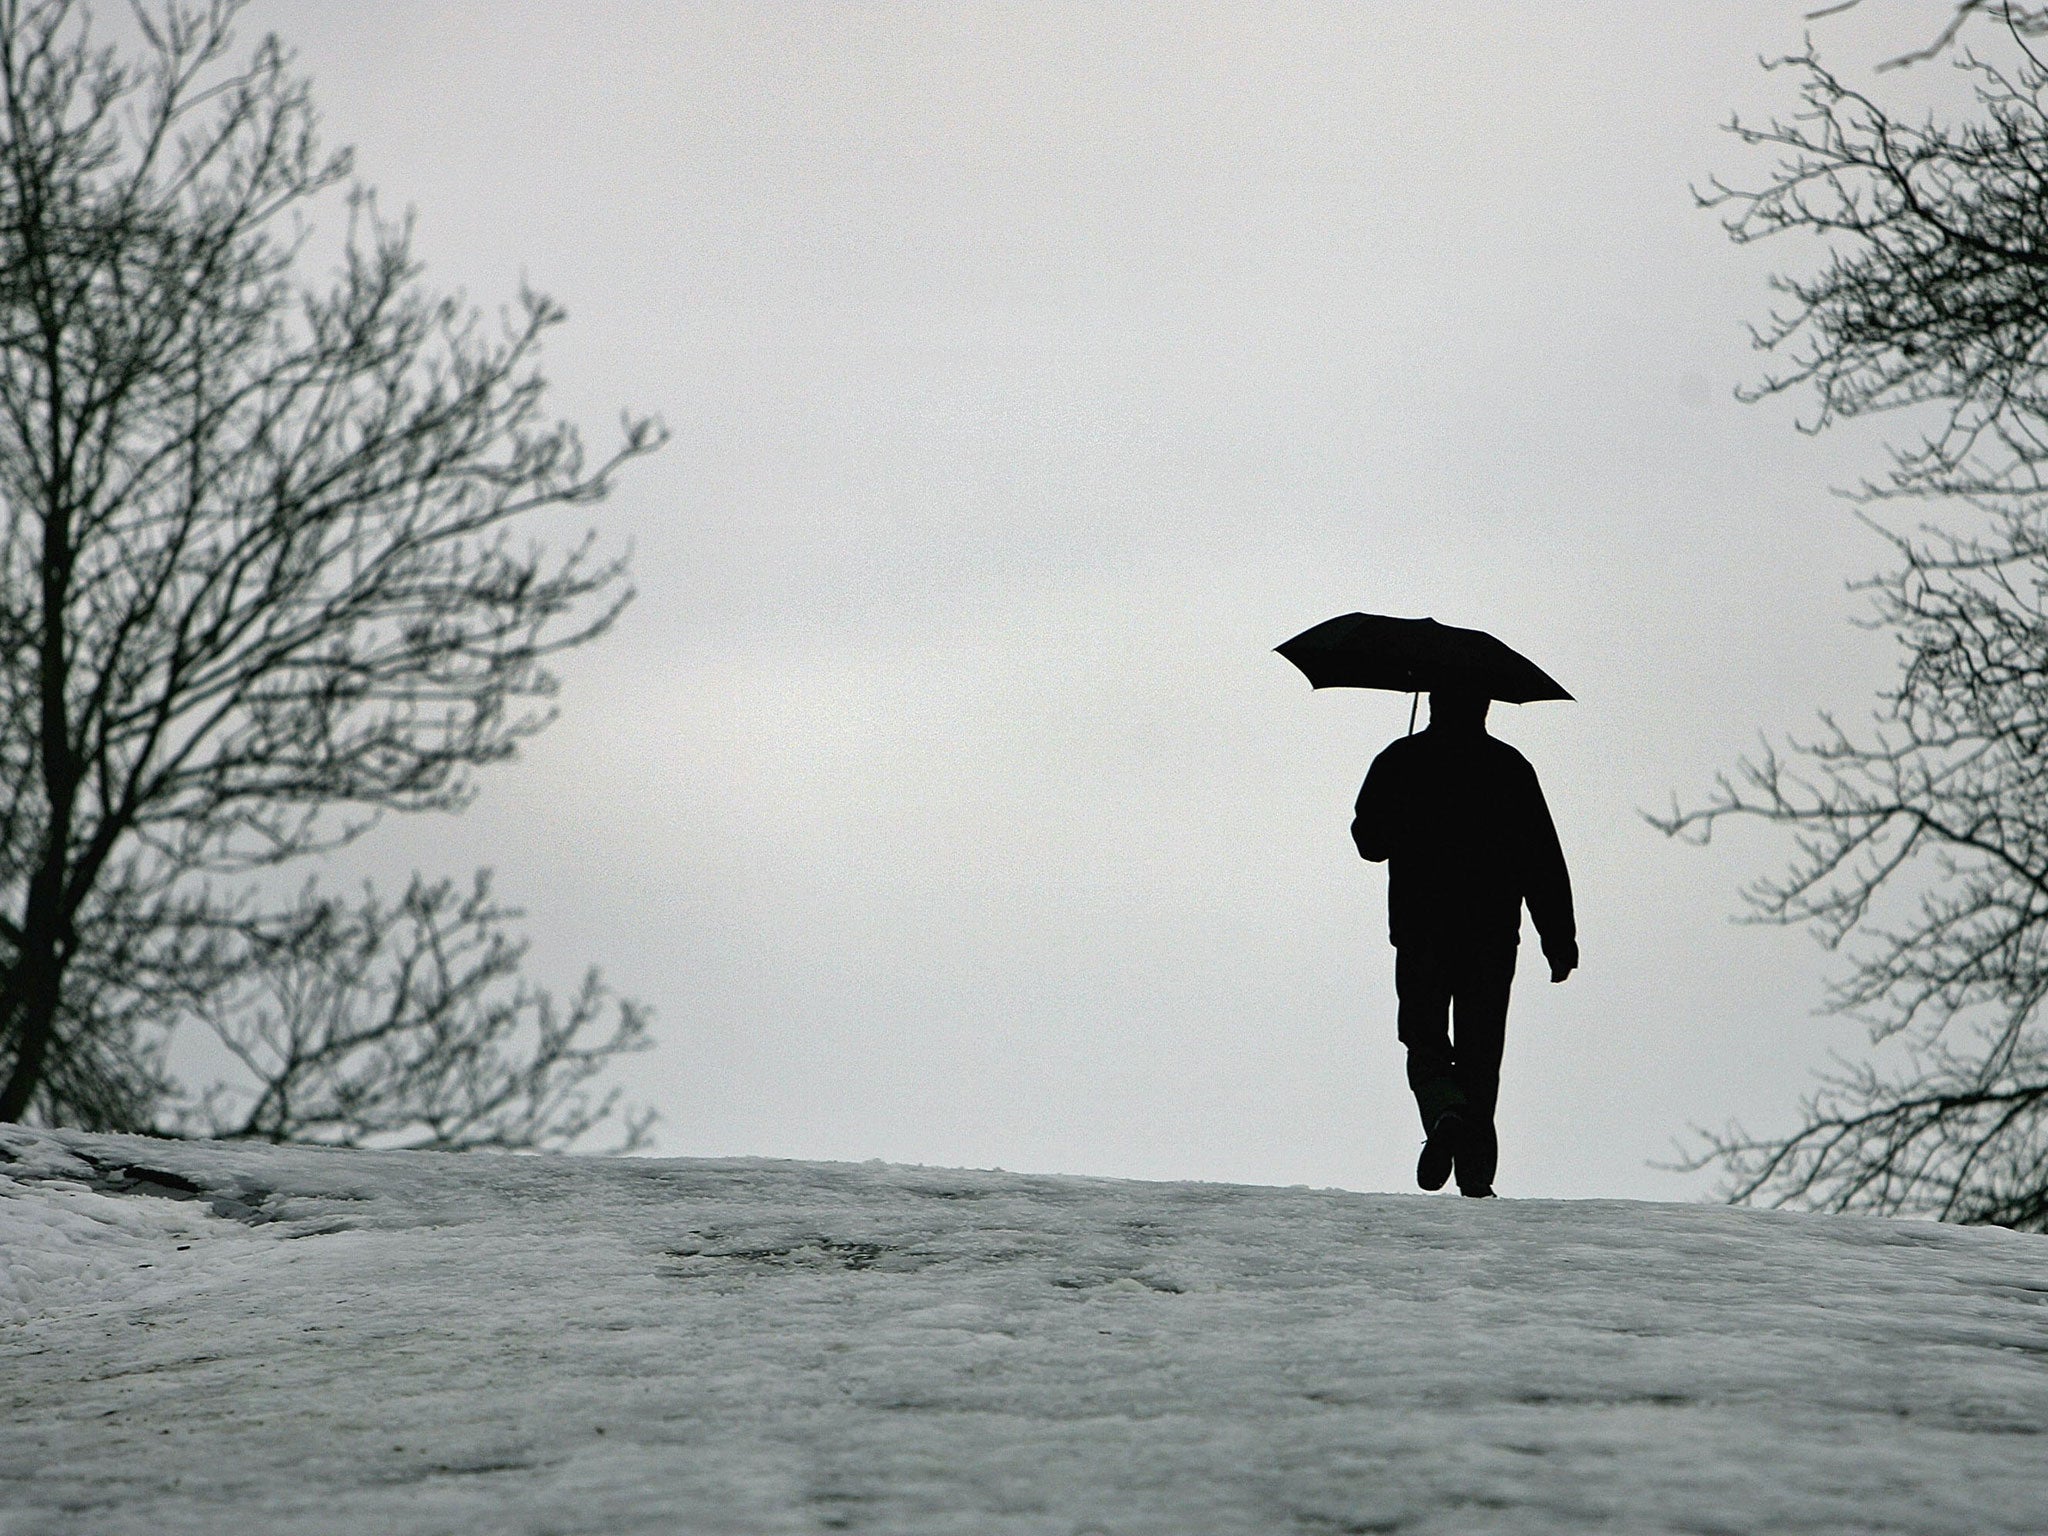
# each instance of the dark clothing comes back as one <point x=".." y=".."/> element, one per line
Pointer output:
<point x="1461" y="823"/>
<point x="1440" y="985"/>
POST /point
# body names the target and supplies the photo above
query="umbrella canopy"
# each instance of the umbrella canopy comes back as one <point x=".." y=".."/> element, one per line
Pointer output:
<point x="1371" y="650"/>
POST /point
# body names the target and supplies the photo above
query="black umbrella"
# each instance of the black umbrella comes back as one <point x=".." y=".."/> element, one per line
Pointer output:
<point x="1371" y="650"/>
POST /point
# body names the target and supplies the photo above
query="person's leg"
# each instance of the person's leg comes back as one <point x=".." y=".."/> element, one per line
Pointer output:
<point x="1480" y="990"/>
<point x="1422" y="985"/>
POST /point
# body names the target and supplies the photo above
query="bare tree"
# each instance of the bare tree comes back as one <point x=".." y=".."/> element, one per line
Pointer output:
<point x="1922" y="841"/>
<point x="258" y="576"/>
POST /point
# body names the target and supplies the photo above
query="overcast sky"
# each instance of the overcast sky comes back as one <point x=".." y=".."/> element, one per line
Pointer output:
<point x="1033" y="370"/>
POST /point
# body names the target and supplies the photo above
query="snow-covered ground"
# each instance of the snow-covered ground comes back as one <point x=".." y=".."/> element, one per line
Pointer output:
<point x="199" y="1338"/>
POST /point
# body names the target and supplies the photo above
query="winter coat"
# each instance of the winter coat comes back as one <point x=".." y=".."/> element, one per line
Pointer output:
<point x="1460" y="821"/>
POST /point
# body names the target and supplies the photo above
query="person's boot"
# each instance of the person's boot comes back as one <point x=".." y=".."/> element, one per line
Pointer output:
<point x="1477" y="1192"/>
<point x="1433" y="1168"/>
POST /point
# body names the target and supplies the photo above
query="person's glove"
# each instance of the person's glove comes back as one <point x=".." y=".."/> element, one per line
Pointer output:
<point x="1563" y="958"/>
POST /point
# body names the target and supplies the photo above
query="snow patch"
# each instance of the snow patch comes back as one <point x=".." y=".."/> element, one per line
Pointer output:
<point x="432" y="1343"/>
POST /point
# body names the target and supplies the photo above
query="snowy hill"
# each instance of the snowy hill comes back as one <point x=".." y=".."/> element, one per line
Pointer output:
<point x="199" y="1338"/>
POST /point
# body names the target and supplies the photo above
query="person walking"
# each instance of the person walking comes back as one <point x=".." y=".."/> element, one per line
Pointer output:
<point x="1460" y="822"/>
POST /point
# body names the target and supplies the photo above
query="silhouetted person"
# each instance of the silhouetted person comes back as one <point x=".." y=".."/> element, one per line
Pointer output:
<point x="1460" y="821"/>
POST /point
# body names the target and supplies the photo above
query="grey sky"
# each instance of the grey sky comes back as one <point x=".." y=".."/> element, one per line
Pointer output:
<point x="1034" y="369"/>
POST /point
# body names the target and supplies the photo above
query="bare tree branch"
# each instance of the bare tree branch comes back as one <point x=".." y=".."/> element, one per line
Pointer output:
<point x="2020" y="20"/>
<point x="408" y="1025"/>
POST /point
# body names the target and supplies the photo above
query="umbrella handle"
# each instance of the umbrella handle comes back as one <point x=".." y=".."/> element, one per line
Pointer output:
<point x="1413" y="705"/>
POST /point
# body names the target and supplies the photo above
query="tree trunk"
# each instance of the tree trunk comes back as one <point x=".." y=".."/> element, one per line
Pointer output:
<point x="30" y="1001"/>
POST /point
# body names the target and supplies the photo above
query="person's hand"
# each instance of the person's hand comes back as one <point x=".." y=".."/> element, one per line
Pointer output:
<point x="1563" y="960"/>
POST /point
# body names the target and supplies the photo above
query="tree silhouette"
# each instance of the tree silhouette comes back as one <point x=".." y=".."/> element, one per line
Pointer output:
<point x="258" y="576"/>
<point x="1922" y="840"/>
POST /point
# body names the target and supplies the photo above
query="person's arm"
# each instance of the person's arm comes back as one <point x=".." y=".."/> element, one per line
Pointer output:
<point x="1548" y="887"/>
<point x="1371" y="827"/>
